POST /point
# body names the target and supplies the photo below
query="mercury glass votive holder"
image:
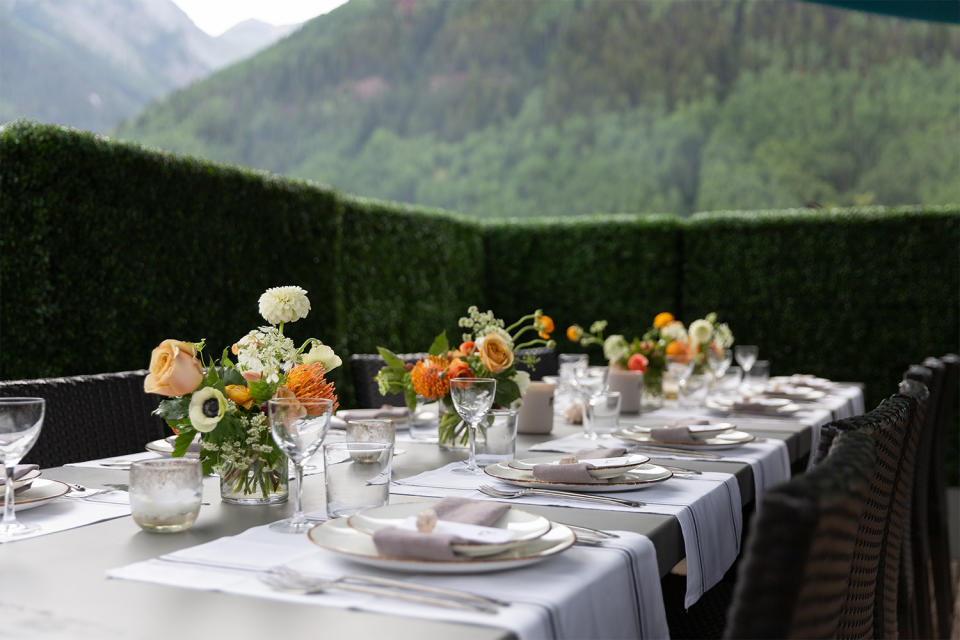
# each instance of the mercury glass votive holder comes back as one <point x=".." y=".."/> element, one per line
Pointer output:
<point x="165" y="495"/>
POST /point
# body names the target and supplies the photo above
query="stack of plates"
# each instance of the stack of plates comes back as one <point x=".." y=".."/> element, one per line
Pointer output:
<point x="533" y="539"/>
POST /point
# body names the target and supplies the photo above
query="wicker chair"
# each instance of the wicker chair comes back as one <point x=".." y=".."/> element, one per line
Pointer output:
<point x="364" y="367"/>
<point x="795" y="572"/>
<point x="90" y="417"/>
<point x="937" y="494"/>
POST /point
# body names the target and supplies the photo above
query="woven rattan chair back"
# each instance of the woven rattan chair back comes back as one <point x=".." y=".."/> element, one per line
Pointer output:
<point x="795" y="572"/>
<point x="938" y="528"/>
<point x="89" y="417"/>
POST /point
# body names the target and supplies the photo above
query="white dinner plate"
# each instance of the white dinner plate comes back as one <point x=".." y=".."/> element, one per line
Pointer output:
<point x="724" y="440"/>
<point x="791" y="392"/>
<point x="339" y="421"/>
<point x="696" y="430"/>
<point x="165" y="447"/>
<point x="22" y="481"/>
<point x="760" y="406"/>
<point x="804" y="380"/>
<point x="339" y="537"/>
<point x="523" y="525"/>
<point x="642" y="476"/>
<point x="607" y="470"/>
<point x="38" y="493"/>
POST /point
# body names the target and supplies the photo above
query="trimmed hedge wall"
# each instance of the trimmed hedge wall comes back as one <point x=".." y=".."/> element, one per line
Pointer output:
<point x="107" y="248"/>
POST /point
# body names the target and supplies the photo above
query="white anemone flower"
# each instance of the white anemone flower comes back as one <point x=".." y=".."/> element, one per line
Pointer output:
<point x="701" y="331"/>
<point x="284" y="304"/>
<point x="207" y="407"/>
<point x="323" y="354"/>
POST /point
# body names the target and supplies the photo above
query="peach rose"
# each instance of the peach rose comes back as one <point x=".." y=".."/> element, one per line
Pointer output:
<point x="174" y="369"/>
<point x="240" y="394"/>
<point x="466" y="347"/>
<point x="459" y="369"/>
<point x="495" y="354"/>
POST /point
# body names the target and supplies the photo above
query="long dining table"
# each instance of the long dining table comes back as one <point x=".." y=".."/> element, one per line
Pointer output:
<point x="56" y="585"/>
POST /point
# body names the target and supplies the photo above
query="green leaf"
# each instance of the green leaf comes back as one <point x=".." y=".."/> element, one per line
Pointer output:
<point x="507" y="392"/>
<point x="411" y="397"/>
<point x="172" y="409"/>
<point x="262" y="391"/>
<point x="232" y="376"/>
<point x="184" y="438"/>
<point x="440" y="345"/>
<point x="390" y="358"/>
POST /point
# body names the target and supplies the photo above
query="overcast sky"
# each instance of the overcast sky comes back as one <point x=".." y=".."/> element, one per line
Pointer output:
<point x="216" y="16"/>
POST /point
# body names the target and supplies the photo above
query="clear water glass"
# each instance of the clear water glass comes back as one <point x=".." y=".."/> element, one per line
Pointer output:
<point x="719" y="359"/>
<point x="694" y="391"/>
<point x="496" y="438"/>
<point x="165" y="495"/>
<point x="730" y="381"/>
<point x="472" y="398"/>
<point x="356" y="476"/>
<point x="759" y="375"/>
<point x="20" y="422"/>
<point x="603" y="412"/>
<point x="572" y="365"/>
<point x="746" y="355"/>
<point x="587" y="384"/>
<point x="680" y="366"/>
<point x="298" y="426"/>
<point x="372" y="431"/>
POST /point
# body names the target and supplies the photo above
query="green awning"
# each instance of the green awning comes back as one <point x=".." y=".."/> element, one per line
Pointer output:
<point x="932" y="10"/>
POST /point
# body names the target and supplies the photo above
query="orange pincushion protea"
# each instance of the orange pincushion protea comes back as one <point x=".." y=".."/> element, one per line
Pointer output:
<point x="428" y="378"/>
<point x="307" y="381"/>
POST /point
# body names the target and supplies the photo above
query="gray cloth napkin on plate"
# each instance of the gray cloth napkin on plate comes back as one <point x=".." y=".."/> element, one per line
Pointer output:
<point x="671" y="434"/>
<point x="574" y="472"/>
<point x="748" y="404"/>
<point x="686" y="422"/>
<point x="394" y="542"/>
<point x="608" y="452"/>
<point x="386" y="412"/>
<point x="19" y="471"/>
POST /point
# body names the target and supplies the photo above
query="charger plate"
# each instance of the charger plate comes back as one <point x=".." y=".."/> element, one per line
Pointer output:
<point x="638" y="478"/>
<point x="525" y="526"/>
<point x="40" y="492"/>
<point x="633" y="460"/>
<point x="724" y="440"/>
<point x="338" y="537"/>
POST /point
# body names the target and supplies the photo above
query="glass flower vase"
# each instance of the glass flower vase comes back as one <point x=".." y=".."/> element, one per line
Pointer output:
<point x="257" y="483"/>
<point x="453" y="434"/>
<point x="652" y="396"/>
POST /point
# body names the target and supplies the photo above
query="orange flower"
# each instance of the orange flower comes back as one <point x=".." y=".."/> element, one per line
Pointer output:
<point x="680" y="350"/>
<point x="663" y="319"/>
<point x="459" y="369"/>
<point x="308" y="381"/>
<point x="466" y="348"/>
<point x="240" y="394"/>
<point x="574" y="333"/>
<point x="544" y="325"/>
<point x="428" y="378"/>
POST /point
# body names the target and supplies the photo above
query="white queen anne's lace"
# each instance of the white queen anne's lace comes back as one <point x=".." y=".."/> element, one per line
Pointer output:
<point x="284" y="304"/>
<point x="266" y="352"/>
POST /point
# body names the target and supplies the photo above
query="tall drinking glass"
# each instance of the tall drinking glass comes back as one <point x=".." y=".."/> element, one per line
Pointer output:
<point x="472" y="398"/>
<point x="746" y="355"/>
<point x="298" y="426"/>
<point x="20" y="423"/>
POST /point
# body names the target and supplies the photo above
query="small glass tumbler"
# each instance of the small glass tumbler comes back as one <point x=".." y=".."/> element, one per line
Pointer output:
<point x="165" y="494"/>
<point x="496" y="438"/>
<point x="603" y="411"/>
<point x="383" y="431"/>
<point x="357" y="476"/>
<point x="694" y="392"/>
<point x="730" y="381"/>
<point x="571" y="366"/>
<point x="759" y="375"/>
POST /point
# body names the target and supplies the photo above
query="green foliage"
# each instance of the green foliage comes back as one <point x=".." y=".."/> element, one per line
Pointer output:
<point x="530" y="108"/>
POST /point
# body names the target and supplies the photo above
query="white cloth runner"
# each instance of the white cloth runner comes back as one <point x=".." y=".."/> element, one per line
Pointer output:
<point x="69" y="513"/>
<point x="707" y="506"/>
<point x="611" y="591"/>
<point x="769" y="459"/>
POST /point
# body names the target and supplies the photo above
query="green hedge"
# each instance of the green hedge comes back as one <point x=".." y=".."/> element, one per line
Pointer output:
<point x="108" y="248"/>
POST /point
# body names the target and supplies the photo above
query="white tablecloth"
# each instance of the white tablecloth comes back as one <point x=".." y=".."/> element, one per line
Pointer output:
<point x="611" y="591"/>
<point x="69" y="513"/>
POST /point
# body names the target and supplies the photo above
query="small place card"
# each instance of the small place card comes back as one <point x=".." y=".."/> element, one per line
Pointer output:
<point x="463" y="531"/>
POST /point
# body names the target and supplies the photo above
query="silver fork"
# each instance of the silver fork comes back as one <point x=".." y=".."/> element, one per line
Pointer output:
<point x="289" y="580"/>
<point x="590" y="497"/>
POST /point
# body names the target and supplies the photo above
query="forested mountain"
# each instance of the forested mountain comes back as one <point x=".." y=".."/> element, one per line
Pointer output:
<point x="522" y="107"/>
<point x="92" y="63"/>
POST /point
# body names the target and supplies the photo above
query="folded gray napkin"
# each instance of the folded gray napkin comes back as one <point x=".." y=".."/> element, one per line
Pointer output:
<point x="671" y="434"/>
<point x="19" y="471"/>
<point x="608" y="452"/>
<point x="386" y="412"/>
<point x="394" y="542"/>
<point x="574" y="472"/>
<point x="748" y="404"/>
<point x="687" y="422"/>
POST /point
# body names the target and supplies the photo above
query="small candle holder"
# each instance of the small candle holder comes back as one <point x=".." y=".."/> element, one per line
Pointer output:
<point x="165" y="494"/>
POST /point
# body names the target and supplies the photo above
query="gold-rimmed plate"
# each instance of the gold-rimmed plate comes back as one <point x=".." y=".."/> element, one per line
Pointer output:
<point x="605" y="467"/>
<point x="38" y="493"/>
<point x="724" y="440"/>
<point x="524" y="526"/>
<point x="638" y="478"/>
<point x="23" y="481"/>
<point x="700" y="431"/>
<point x="338" y="537"/>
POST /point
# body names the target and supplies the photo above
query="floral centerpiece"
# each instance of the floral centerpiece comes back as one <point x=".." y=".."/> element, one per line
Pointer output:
<point x="221" y="401"/>
<point x="488" y="350"/>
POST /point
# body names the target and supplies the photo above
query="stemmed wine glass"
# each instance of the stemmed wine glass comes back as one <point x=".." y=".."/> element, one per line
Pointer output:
<point x="472" y="398"/>
<point x="680" y="366"/>
<point x="719" y="358"/>
<point x="589" y="383"/>
<point x="746" y="355"/>
<point x="298" y="426"/>
<point x="20" y="423"/>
